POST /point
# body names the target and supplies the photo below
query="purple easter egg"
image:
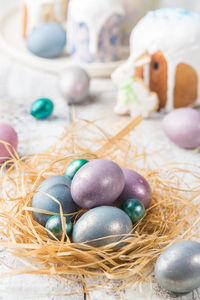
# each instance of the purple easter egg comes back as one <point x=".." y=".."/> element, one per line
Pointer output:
<point x="136" y="187"/>
<point x="97" y="183"/>
<point x="8" y="135"/>
<point x="182" y="126"/>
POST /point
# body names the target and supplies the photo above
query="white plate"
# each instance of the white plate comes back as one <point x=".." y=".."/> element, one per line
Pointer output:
<point x="13" y="43"/>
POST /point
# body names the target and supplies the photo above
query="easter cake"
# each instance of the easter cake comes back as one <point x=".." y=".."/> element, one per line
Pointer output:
<point x="167" y="57"/>
<point x="94" y="29"/>
<point x="36" y="12"/>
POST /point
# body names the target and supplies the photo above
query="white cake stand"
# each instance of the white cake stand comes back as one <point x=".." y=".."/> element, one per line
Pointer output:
<point x="13" y="43"/>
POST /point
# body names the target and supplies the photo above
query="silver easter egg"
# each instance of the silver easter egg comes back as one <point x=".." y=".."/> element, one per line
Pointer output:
<point x="57" y="187"/>
<point x="101" y="223"/>
<point x="74" y="84"/>
<point x="178" y="267"/>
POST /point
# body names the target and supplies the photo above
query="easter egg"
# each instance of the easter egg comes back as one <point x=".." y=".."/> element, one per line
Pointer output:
<point x="74" y="84"/>
<point x="8" y="135"/>
<point x="74" y="166"/>
<point x="54" y="227"/>
<point x="57" y="187"/>
<point x="101" y="223"/>
<point x="182" y="127"/>
<point x="57" y="179"/>
<point x="136" y="187"/>
<point x="42" y="108"/>
<point x="47" y="40"/>
<point x="97" y="183"/>
<point x="134" y="209"/>
<point x="178" y="267"/>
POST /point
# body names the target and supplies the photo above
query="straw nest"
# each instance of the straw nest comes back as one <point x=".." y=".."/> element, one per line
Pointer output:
<point x="172" y="216"/>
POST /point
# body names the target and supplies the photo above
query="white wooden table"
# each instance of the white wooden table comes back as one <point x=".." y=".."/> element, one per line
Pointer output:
<point x="19" y="86"/>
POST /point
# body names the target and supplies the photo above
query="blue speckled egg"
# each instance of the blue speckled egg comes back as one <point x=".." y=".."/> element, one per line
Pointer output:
<point x="59" y="188"/>
<point x="101" y="222"/>
<point x="47" y="40"/>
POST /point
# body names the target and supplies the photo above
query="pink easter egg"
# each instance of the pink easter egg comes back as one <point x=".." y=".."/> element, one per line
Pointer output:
<point x="8" y="135"/>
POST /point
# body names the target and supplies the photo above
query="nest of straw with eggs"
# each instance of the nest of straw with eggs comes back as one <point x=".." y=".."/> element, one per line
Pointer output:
<point x="172" y="215"/>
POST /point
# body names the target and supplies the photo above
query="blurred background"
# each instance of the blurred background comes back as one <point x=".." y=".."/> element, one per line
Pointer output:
<point x="191" y="4"/>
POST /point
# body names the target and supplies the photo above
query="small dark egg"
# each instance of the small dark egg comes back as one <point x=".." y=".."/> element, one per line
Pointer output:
<point x="57" y="187"/>
<point x="74" y="166"/>
<point x="42" y="108"/>
<point x="134" y="209"/>
<point x="182" y="127"/>
<point x="54" y="227"/>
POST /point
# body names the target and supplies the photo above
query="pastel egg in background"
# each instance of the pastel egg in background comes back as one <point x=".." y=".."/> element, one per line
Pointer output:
<point x="182" y="127"/>
<point x="8" y="135"/>
<point x="47" y="40"/>
<point x="74" y="84"/>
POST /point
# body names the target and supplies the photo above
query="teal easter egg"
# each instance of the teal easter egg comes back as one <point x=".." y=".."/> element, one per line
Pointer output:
<point x="47" y="40"/>
<point x="54" y="227"/>
<point x="134" y="209"/>
<point x="74" y="166"/>
<point x="42" y="108"/>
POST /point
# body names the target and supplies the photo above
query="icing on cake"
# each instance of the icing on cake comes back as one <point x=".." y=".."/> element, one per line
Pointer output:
<point x="176" y="33"/>
<point x="93" y="13"/>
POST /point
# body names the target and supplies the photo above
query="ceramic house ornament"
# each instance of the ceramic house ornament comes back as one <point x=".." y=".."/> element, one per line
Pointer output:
<point x="36" y="12"/>
<point x="167" y="56"/>
<point x="94" y="29"/>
